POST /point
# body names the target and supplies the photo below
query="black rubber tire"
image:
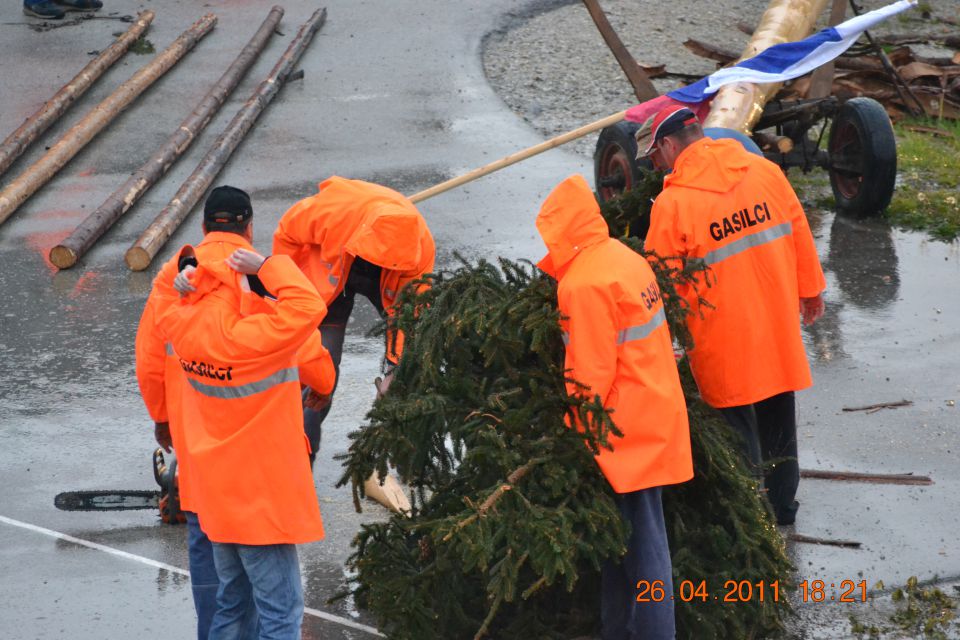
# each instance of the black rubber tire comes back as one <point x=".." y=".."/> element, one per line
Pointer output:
<point x="863" y="158"/>
<point x="615" y="167"/>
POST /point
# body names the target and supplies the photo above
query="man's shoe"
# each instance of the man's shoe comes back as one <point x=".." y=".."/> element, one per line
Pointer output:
<point x="45" y="10"/>
<point x="79" y="5"/>
<point x="788" y="515"/>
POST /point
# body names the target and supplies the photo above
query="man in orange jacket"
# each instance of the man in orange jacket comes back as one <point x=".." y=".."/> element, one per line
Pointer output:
<point x="618" y="345"/>
<point x="737" y="213"/>
<point x="161" y="373"/>
<point x="355" y="237"/>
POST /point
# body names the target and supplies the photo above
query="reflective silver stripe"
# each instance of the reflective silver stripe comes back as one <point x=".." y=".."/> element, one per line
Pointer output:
<point x="169" y="348"/>
<point x="244" y="390"/>
<point x="641" y="331"/>
<point x="566" y="338"/>
<point x="748" y="242"/>
<point x="390" y="293"/>
<point x="333" y="280"/>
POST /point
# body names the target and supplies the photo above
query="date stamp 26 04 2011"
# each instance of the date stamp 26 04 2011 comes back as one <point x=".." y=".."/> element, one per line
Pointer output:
<point x="847" y="591"/>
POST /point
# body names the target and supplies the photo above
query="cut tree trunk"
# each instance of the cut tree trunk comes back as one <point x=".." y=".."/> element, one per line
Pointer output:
<point x="139" y="256"/>
<point x="18" y="141"/>
<point x="66" y="254"/>
<point x="28" y="183"/>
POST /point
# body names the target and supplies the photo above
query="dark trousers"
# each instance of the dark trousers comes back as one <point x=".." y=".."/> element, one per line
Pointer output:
<point x="363" y="279"/>
<point x="647" y="560"/>
<point x="769" y="431"/>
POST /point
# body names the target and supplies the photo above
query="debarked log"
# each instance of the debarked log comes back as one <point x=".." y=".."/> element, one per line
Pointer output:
<point x="31" y="129"/>
<point x="139" y="256"/>
<point x="66" y="254"/>
<point x="28" y="183"/>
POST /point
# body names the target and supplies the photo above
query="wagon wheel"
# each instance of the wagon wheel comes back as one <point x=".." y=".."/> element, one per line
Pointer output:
<point x="614" y="160"/>
<point x="863" y="158"/>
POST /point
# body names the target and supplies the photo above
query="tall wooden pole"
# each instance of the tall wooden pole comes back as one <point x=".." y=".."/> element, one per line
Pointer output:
<point x="29" y="182"/>
<point x="17" y="142"/>
<point x="513" y="158"/>
<point x="66" y="254"/>
<point x="642" y="87"/>
<point x="139" y="256"/>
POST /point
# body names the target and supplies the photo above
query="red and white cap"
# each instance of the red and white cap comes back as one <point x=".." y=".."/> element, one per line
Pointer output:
<point x="668" y="120"/>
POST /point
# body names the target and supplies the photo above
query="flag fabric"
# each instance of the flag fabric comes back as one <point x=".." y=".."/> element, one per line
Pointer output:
<point x="790" y="60"/>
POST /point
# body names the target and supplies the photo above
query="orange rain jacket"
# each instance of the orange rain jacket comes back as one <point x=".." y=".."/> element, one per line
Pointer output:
<point x="737" y="212"/>
<point x="159" y="372"/>
<point x="243" y="358"/>
<point x="617" y="340"/>
<point x="351" y="218"/>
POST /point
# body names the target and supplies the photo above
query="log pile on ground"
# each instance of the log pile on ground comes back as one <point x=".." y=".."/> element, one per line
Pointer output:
<point x="511" y="518"/>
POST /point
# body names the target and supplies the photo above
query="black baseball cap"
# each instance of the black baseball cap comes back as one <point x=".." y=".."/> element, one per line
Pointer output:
<point x="227" y="204"/>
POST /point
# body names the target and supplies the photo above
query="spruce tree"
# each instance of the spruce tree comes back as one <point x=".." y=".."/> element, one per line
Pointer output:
<point x="512" y="519"/>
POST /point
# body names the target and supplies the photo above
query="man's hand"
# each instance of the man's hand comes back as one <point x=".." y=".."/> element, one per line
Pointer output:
<point x="316" y="401"/>
<point x="182" y="282"/>
<point x="384" y="385"/>
<point x="161" y="431"/>
<point x="811" y="309"/>
<point x="245" y="261"/>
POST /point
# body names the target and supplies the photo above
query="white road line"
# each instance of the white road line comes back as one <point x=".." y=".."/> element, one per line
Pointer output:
<point x="168" y="567"/>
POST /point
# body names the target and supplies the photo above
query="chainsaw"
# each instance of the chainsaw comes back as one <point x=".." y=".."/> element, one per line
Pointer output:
<point x="166" y="500"/>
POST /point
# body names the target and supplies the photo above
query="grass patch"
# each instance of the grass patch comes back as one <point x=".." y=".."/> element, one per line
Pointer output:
<point x="142" y="46"/>
<point x="928" y="191"/>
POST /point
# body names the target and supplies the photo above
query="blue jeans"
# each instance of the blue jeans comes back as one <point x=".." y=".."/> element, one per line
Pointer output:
<point x="648" y="560"/>
<point x="204" y="581"/>
<point x="270" y="574"/>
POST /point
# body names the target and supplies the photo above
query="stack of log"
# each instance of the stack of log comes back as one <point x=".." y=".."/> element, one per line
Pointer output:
<point x="917" y="85"/>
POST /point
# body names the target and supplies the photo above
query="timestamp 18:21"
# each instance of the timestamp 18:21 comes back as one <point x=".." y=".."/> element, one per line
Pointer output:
<point x="745" y="591"/>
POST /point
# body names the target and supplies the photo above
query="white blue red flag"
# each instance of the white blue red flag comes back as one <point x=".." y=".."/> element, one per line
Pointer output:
<point x="790" y="60"/>
<point x="780" y="62"/>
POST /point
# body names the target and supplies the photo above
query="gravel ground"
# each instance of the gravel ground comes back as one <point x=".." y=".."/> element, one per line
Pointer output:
<point x="552" y="68"/>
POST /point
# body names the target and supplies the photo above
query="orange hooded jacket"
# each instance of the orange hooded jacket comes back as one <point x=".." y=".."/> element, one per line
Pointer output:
<point x="351" y="218"/>
<point x="241" y="399"/>
<point x="158" y="370"/>
<point x="737" y="212"/>
<point x="617" y="340"/>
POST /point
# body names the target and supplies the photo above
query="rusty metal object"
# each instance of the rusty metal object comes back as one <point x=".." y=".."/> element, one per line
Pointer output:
<point x="66" y="254"/>
<point x="739" y="105"/>
<point x="139" y="256"/>
<point x="642" y="87"/>
<point x="31" y="129"/>
<point x="28" y="183"/>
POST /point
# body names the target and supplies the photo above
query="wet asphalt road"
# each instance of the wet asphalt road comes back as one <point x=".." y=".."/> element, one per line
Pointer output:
<point x="393" y="92"/>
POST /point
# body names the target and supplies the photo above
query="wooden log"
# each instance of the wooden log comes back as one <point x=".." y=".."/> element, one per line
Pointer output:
<point x="871" y="478"/>
<point x="28" y="183"/>
<point x="770" y="142"/>
<point x="66" y="254"/>
<point x="798" y="537"/>
<point x="139" y="256"/>
<point x="642" y="87"/>
<point x="31" y="129"/>
<point x="739" y="105"/>
<point x="822" y="78"/>
<point x="513" y="158"/>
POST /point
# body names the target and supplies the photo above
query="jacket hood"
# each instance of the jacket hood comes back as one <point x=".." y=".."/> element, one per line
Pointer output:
<point x="569" y="221"/>
<point x="213" y="271"/>
<point x="710" y="165"/>
<point x="388" y="237"/>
